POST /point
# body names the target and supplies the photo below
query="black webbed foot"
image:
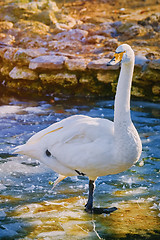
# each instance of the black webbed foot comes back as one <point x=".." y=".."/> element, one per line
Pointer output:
<point x="101" y="210"/>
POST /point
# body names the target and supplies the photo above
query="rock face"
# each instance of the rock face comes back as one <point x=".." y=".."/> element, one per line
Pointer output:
<point x="59" y="78"/>
<point x="22" y="73"/>
<point x="47" y="62"/>
<point x="50" y="49"/>
<point x="101" y="64"/>
<point x="78" y="64"/>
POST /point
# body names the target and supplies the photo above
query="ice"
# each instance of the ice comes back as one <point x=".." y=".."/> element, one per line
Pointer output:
<point x="7" y="109"/>
<point x="10" y="230"/>
<point x="141" y="163"/>
<point x="7" y="234"/>
<point x="2" y="187"/>
<point x="36" y="222"/>
<point x="128" y="180"/>
<point x="17" y="169"/>
<point x="26" y="194"/>
<point x="31" y="188"/>
<point x="155" y="206"/>
<point x="136" y="191"/>
<point x="51" y="234"/>
<point x="34" y="109"/>
<point x="2" y="214"/>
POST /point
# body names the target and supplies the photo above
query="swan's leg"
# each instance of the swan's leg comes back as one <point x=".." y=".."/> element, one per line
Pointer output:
<point x="89" y="205"/>
<point x="59" y="179"/>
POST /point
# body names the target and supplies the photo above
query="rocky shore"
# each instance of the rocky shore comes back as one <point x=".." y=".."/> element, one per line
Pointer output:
<point x="49" y="48"/>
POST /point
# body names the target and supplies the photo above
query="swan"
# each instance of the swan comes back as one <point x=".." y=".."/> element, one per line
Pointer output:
<point x="92" y="147"/>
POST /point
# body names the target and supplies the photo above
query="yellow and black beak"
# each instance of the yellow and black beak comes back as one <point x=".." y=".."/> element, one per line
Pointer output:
<point x="116" y="59"/>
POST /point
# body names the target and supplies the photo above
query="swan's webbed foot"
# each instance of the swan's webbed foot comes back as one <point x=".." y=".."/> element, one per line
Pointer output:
<point x="95" y="210"/>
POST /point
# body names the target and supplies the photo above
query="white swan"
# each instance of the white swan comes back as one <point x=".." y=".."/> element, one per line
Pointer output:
<point x="81" y="145"/>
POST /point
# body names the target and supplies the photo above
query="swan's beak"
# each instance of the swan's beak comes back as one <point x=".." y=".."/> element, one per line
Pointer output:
<point x="116" y="59"/>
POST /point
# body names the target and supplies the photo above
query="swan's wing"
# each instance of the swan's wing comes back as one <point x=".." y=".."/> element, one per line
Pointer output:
<point x="83" y="143"/>
<point x="72" y="128"/>
<point x="58" y="131"/>
<point x="74" y="143"/>
<point x="76" y="129"/>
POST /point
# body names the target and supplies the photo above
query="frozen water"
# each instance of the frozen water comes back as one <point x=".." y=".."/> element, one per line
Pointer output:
<point x="24" y="187"/>
<point x="8" y="110"/>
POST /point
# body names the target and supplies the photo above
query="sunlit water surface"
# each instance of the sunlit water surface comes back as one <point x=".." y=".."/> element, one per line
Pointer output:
<point x="29" y="209"/>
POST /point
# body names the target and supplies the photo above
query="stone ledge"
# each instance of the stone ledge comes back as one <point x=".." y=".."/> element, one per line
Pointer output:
<point x="47" y="62"/>
<point x="23" y="73"/>
<point x="101" y="64"/>
<point x="76" y="64"/>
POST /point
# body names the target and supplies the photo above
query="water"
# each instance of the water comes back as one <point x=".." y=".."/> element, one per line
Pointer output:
<point x="29" y="209"/>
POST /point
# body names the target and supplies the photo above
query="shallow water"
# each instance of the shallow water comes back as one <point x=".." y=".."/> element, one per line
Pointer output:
<point x="29" y="209"/>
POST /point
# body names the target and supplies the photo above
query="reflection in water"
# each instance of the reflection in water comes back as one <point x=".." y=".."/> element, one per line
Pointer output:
<point x="29" y="209"/>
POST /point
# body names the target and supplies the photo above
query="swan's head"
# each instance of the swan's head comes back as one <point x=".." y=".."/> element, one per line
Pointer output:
<point x="123" y="54"/>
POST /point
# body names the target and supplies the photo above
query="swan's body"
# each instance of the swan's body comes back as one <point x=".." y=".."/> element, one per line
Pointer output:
<point x="81" y="145"/>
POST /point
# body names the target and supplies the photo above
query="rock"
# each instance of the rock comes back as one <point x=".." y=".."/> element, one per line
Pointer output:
<point x="150" y="56"/>
<point x="95" y="39"/>
<point x="23" y="73"/>
<point x="49" y="38"/>
<point x="8" y="54"/>
<point x="47" y="62"/>
<point x="60" y="78"/>
<point x="53" y="6"/>
<point x="46" y="16"/>
<point x="5" y="25"/>
<point x="38" y="5"/>
<point x="76" y="64"/>
<point x="141" y="43"/>
<point x="65" y="21"/>
<point x="86" y="79"/>
<point x="155" y="64"/>
<point x="32" y="27"/>
<point x="73" y="47"/>
<point x="89" y="49"/>
<point x="101" y="64"/>
<point x="71" y="35"/>
<point x="42" y="11"/>
<point x="107" y="76"/>
<point x="111" y="44"/>
<point x="129" y="30"/>
<point x="5" y="70"/>
<point x="89" y="27"/>
<point x="150" y="75"/>
<point x="32" y="6"/>
<point x="156" y="90"/>
<point x="137" y="92"/>
<point x="107" y="30"/>
<point x="32" y="42"/>
<point x="153" y="21"/>
<point x="7" y="38"/>
<point x="135" y="30"/>
<point x="123" y="27"/>
<point x="46" y="13"/>
<point x="23" y="56"/>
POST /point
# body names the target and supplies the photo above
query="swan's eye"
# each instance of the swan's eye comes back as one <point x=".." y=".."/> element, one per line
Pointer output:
<point x="48" y="153"/>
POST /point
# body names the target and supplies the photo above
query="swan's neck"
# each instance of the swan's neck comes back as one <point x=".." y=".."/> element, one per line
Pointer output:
<point x="122" y="99"/>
